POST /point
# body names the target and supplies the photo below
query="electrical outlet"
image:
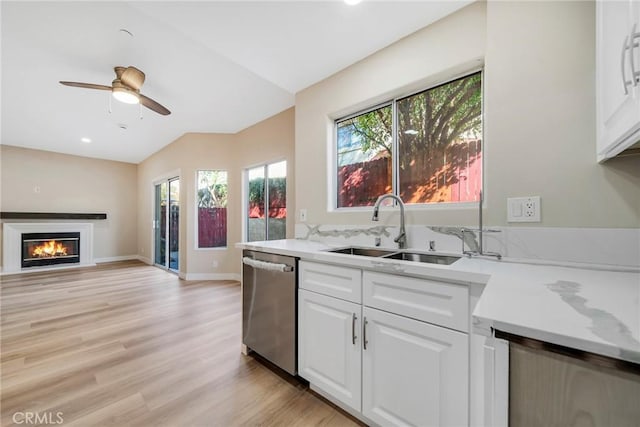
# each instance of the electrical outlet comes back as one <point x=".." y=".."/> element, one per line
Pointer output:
<point x="530" y="208"/>
<point x="303" y="215"/>
<point x="523" y="209"/>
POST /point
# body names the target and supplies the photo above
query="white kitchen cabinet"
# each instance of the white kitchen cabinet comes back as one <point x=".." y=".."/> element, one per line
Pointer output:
<point x="329" y="345"/>
<point x="617" y="76"/>
<point x="410" y="372"/>
<point x="414" y="373"/>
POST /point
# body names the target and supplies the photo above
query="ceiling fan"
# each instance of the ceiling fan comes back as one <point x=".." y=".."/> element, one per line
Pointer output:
<point x="126" y="88"/>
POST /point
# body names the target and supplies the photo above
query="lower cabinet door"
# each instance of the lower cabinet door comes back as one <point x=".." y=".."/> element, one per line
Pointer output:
<point x="329" y="346"/>
<point x="414" y="373"/>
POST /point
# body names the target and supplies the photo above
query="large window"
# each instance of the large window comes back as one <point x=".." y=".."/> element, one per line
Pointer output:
<point x="267" y="202"/>
<point x="426" y="148"/>
<point x="212" y="208"/>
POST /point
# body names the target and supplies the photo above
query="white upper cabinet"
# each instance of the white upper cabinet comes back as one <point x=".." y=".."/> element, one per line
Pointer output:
<point x="617" y="76"/>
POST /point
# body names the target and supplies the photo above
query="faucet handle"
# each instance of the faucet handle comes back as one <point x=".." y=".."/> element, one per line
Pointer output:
<point x="401" y="240"/>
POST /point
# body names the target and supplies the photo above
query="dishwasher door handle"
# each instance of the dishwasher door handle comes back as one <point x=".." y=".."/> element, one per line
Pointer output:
<point x="266" y="265"/>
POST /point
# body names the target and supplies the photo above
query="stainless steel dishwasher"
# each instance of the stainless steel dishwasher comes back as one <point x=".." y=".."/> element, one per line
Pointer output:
<point x="269" y="316"/>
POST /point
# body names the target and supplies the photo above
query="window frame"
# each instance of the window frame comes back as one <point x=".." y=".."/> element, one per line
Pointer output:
<point x="196" y="227"/>
<point x="332" y="152"/>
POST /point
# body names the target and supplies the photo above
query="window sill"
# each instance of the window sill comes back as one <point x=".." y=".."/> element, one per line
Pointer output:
<point x="412" y="207"/>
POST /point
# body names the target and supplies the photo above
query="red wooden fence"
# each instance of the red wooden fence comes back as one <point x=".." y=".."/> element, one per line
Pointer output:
<point x="360" y="184"/>
<point x="459" y="179"/>
<point x="212" y="227"/>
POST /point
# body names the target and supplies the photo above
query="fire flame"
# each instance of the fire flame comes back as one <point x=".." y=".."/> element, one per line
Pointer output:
<point x="49" y="249"/>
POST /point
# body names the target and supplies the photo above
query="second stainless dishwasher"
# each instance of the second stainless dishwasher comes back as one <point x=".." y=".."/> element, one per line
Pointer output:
<point x="269" y="317"/>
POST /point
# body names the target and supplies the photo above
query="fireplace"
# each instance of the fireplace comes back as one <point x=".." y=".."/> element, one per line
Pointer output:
<point x="41" y="249"/>
<point x="79" y="252"/>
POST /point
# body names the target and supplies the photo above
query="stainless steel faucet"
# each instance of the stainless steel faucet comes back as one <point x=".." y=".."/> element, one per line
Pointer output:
<point x="401" y="240"/>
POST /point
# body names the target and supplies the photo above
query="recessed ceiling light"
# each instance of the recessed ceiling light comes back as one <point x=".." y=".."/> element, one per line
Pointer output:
<point x="122" y="126"/>
<point x="86" y="140"/>
<point x="125" y="31"/>
<point x="352" y="2"/>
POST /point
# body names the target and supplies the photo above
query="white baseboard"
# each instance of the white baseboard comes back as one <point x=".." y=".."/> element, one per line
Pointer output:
<point x="145" y="259"/>
<point x="117" y="258"/>
<point x="210" y="276"/>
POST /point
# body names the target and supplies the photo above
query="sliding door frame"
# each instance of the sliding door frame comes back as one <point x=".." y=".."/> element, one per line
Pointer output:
<point x="166" y="178"/>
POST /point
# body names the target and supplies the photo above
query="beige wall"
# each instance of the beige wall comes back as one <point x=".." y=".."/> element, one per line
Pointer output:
<point x="182" y="158"/>
<point x="266" y="141"/>
<point x="540" y="106"/>
<point x="74" y="184"/>
<point x="439" y="51"/>
<point x="269" y="141"/>
<point x="539" y="114"/>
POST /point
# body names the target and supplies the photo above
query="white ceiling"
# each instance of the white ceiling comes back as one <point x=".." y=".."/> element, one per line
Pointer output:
<point x="218" y="66"/>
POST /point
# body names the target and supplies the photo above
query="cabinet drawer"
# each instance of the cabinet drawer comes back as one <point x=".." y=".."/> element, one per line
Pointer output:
<point x="339" y="282"/>
<point x="439" y="303"/>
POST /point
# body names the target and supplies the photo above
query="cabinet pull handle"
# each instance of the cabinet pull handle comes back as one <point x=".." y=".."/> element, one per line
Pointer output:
<point x="364" y="333"/>
<point x="624" y="78"/>
<point x="353" y="329"/>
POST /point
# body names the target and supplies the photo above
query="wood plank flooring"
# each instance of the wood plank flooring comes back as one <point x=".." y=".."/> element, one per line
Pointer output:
<point x="130" y="344"/>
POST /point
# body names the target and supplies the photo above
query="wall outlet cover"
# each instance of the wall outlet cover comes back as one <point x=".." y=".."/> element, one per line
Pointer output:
<point x="523" y="209"/>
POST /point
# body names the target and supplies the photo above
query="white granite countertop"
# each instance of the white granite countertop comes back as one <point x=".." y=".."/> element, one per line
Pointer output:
<point x="587" y="309"/>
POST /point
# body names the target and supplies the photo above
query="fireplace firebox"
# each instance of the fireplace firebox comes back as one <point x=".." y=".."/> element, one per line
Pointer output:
<point x="40" y="249"/>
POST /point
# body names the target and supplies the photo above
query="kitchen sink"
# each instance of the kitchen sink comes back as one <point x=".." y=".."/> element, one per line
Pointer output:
<point x="422" y="257"/>
<point x="353" y="250"/>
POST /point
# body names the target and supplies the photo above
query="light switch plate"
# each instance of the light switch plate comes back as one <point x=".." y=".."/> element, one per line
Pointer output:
<point x="523" y="209"/>
<point x="303" y="215"/>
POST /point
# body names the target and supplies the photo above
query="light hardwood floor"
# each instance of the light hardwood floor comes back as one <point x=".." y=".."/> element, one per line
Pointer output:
<point x="130" y="344"/>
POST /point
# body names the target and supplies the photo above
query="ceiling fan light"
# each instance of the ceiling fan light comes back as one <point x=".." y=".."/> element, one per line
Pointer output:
<point x="125" y="95"/>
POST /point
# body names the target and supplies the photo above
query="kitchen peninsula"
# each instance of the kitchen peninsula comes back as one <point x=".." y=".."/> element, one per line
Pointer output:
<point x="593" y="311"/>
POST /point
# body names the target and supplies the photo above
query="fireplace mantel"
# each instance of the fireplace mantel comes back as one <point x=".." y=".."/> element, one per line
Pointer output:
<point x="52" y="215"/>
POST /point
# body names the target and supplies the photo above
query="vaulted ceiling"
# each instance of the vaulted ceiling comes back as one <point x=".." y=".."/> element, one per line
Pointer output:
<point x="218" y="66"/>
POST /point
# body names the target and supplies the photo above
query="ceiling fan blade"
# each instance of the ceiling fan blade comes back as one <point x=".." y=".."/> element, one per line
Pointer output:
<point x="153" y="105"/>
<point x="132" y="77"/>
<point x="86" y="85"/>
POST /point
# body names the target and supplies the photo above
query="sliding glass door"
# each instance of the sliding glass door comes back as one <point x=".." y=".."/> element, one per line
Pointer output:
<point x="166" y="224"/>
<point x="267" y="202"/>
<point x="160" y="224"/>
